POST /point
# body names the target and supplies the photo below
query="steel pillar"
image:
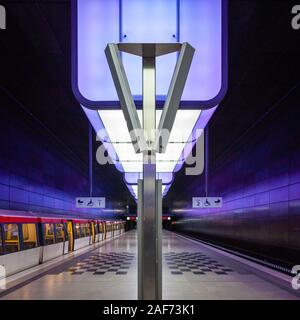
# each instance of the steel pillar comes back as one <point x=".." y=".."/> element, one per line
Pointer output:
<point x="149" y="198"/>
<point x="149" y="189"/>
<point x="149" y="228"/>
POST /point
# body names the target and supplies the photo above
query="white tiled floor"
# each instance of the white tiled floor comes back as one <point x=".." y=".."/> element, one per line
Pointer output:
<point x="241" y="282"/>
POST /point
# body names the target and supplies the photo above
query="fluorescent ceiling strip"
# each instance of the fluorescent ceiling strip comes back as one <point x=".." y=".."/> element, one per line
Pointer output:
<point x="135" y="190"/>
<point x="133" y="177"/>
<point x="116" y="128"/>
<point x="131" y="163"/>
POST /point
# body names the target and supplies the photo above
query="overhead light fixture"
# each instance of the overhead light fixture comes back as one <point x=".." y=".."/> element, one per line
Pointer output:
<point x="111" y="129"/>
<point x="124" y="151"/>
<point x="134" y="190"/>
<point x="97" y="23"/>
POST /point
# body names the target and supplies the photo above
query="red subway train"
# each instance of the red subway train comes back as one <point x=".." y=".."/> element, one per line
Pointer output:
<point x="27" y="241"/>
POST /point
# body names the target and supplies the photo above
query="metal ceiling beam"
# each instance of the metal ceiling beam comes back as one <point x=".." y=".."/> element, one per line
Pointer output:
<point x="174" y="96"/>
<point x="126" y="101"/>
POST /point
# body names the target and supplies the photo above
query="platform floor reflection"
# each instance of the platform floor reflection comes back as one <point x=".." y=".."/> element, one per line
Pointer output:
<point x="191" y="270"/>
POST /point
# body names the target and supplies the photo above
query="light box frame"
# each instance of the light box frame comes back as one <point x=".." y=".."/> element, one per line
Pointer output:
<point x="98" y="105"/>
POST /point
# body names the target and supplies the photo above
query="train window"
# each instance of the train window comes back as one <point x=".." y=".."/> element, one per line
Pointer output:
<point x="85" y="230"/>
<point x="29" y="235"/>
<point x="88" y="230"/>
<point x="60" y="234"/>
<point x="48" y="233"/>
<point x="82" y="230"/>
<point x="96" y="227"/>
<point x="11" y="237"/>
<point x="1" y="244"/>
<point x="100" y="227"/>
<point x="66" y="233"/>
<point x="77" y="230"/>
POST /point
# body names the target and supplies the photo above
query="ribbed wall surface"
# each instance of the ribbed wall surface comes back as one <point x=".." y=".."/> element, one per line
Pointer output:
<point x="38" y="174"/>
<point x="260" y="184"/>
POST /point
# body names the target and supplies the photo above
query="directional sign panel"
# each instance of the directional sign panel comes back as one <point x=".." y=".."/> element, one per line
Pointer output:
<point x="90" y="202"/>
<point x="207" y="202"/>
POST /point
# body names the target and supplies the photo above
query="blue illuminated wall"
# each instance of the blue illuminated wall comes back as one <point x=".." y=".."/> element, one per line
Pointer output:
<point x="259" y="180"/>
<point x="37" y="174"/>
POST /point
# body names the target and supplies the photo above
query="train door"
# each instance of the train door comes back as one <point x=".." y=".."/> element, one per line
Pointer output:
<point x="41" y="241"/>
<point x="70" y="235"/>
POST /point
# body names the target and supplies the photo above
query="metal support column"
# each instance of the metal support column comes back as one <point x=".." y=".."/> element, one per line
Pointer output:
<point x="149" y="225"/>
<point x="149" y="189"/>
<point x="149" y="285"/>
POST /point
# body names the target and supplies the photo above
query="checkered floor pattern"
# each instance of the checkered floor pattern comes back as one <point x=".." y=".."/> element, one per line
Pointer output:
<point x="194" y="262"/>
<point x="101" y="263"/>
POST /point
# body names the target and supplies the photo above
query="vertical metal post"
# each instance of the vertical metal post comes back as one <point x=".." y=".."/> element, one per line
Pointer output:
<point x="206" y="155"/>
<point x="91" y="159"/>
<point x="149" y="189"/>
<point x="140" y="231"/>
<point x="149" y="207"/>
<point x="158" y="239"/>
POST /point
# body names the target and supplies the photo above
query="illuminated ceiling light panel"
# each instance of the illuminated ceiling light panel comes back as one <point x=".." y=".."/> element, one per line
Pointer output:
<point x="117" y="142"/>
<point x="124" y="153"/>
<point x="134" y="190"/>
<point x="95" y="23"/>
<point x="202" y="23"/>
<point x="133" y="177"/>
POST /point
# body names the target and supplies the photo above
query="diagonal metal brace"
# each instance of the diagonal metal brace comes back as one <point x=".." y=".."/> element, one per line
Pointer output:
<point x="127" y="104"/>
<point x="174" y="96"/>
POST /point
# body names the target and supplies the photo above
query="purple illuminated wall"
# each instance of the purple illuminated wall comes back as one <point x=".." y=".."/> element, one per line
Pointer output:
<point x="259" y="181"/>
<point x="36" y="174"/>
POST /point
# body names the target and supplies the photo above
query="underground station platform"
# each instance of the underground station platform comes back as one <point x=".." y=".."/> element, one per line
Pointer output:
<point x="149" y="158"/>
<point x="192" y="270"/>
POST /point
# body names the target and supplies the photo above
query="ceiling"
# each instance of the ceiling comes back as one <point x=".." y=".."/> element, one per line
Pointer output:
<point x="35" y="70"/>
